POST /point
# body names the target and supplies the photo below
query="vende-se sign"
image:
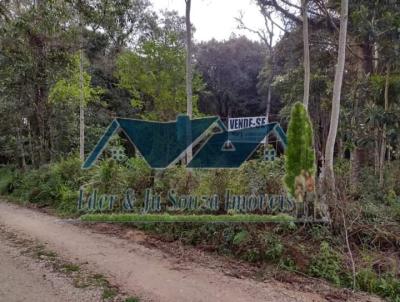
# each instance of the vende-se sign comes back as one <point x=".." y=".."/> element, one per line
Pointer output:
<point x="238" y="123"/>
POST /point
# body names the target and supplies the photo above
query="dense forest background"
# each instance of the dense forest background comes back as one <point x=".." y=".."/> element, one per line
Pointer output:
<point x="134" y="66"/>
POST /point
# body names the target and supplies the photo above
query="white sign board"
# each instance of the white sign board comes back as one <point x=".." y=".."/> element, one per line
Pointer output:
<point x="238" y="123"/>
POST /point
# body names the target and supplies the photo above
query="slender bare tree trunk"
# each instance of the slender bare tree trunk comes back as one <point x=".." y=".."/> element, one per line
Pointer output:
<point x="81" y="102"/>
<point x="189" y="60"/>
<point x="384" y="138"/>
<point x="337" y="87"/>
<point x="354" y="168"/>
<point x="189" y="72"/>
<point x="306" y="62"/>
<point x="354" y="153"/>
<point x="268" y="109"/>
<point x="267" y="112"/>
<point x="32" y="152"/>
<point x="376" y="150"/>
<point x="21" y="149"/>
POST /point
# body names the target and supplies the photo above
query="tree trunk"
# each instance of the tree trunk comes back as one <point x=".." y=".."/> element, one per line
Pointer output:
<point x="40" y="113"/>
<point x="354" y="159"/>
<point x="376" y="150"/>
<point x="21" y="149"/>
<point x="306" y="61"/>
<point x="189" y="75"/>
<point x="384" y="138"/>
<point x="337" y="87"/>
<point x="354" y="168"/>
<point x="30" y="144"/>
<point x="81" y="102"/>
<point x="267" y="112"/>
<point x="268" y="109"/>
<point x="81" y="114"/>
<point x="40" y="127"/>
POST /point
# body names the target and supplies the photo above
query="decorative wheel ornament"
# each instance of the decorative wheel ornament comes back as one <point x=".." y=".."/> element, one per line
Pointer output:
<point x="270" y="155"/>
<point x="118" y="154"/>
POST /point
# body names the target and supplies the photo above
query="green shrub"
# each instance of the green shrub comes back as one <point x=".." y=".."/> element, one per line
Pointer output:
<point x="288" y="264"/>
<point x="69" y="172"/>
<point x="389" y="286"/>
<point x="326" y="264"/>
<point x="215" y="181"/>
<point x="258" y="177"/>
<point x="286" y="227"/>
<point x="367" y="280"/>
<point x="272" y="248"/>
<point x="319" y="232"/>
<point x="37" y="186"/>
<point x="67" y="201"/>
<point x="241" y="238"/>
<point x="50" y="183"/>
<point x="110" y="177"/>
<point x="132" y="299"/>
<point x="251" y="254"/>
<point x="227" y="237"/>
<point x="386" y="285"/>
<point x="391" y="198"/>
<point x="6" y="180"/>
<point x="138" y="174"/>
<point x="178" y="178"/>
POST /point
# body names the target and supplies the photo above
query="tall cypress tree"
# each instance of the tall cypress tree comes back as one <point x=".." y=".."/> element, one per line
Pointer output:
<point x="300" y="156"/>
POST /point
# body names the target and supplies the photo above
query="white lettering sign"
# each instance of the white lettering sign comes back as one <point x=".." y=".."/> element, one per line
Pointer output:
<point x="238" y="123"/>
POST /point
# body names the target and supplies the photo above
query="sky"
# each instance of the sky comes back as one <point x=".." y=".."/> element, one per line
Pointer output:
<point x="215" y="18"/>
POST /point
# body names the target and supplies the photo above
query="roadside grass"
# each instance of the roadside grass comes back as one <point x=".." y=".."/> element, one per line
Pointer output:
<point x="109" y="293"/>
<point x="132" y="299"/>
<point x="42" y="253"/>
<point x="154" y="218"/>
<point x="69" y="268"/>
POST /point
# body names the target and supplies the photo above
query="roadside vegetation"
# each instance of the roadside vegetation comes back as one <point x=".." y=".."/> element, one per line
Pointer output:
<point x="319" y="250"/>
<point x="166" y="218"/>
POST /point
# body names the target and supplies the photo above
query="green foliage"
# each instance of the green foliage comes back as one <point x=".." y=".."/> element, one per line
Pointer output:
<point x="55" y="185"/>
<point x="367" y="280"/>
<point x="6" y="178"/>
<point x="288" y="264"/>
<point x="138" y="174"/>
<point x="300" y="153"/>
<point x="155" y="76"/>
<point x="319" y="232"/>
<point x="259" y="177"/>
<point x="239" y="218"/>
<point x="109" y="177"/>
<point x="108" y="293"/>
<point x="386" y="285"/>
<point x="68" y="88"/>
<point x="241" y="238"/>
<point x="178" y="178"/>
<point x="132" y="299"/>
<point x="272" y="247"/>
<point x="326" y="264"/>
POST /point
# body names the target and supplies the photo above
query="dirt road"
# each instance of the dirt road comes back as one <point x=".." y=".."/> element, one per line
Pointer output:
<point x="149" y="273"/>
<point x="22" y="279"/>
